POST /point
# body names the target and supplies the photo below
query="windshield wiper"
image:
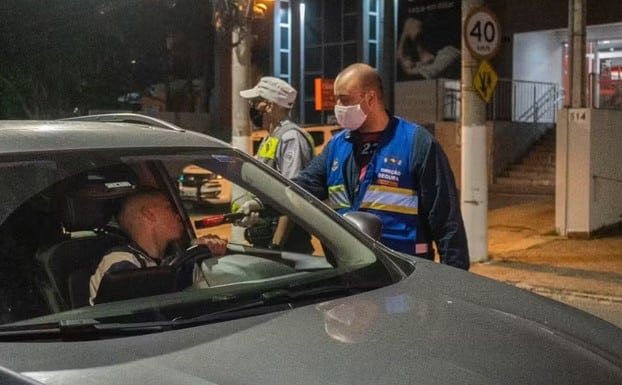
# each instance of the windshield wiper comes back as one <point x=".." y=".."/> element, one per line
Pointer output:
<point x="90" y="329"/>
<point x="320" y="292"/>
<point x="81" y="329"/>
<point x="267" y="302"/>
<point x="276" y="300"/>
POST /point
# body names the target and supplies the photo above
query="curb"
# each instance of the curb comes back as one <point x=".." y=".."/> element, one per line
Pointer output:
<point x="553" y="291"/>
<point x="553" y="280"/>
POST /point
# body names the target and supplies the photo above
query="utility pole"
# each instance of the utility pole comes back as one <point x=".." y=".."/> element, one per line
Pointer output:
<point x="232" y="19"/>
<point x="574" y="188"/>
<point x="240" y="127"/>
<point x="474" y="174"/>
<point x="576" y="52"/>
<point x="387" y="63"/>
<point x="240" y="80"/>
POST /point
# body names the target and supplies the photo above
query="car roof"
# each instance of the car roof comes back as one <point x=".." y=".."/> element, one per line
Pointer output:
<point x="58" y="135"/>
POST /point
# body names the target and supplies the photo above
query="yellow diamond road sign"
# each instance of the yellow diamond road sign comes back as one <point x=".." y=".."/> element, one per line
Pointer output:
<point x="485" y="80"/>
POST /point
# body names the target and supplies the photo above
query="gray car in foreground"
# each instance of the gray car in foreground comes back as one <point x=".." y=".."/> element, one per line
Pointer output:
<point x="351" y="312"/>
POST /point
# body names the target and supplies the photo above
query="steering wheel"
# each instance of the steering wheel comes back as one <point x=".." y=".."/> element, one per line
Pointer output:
<point x="194" y="254"/>
<point x="185" y="261"/>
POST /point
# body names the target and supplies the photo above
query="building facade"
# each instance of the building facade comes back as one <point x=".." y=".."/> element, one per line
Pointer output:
<point x="317" y="38"/>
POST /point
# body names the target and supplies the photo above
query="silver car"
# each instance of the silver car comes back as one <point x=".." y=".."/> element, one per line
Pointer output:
<point x="350" y="312"/>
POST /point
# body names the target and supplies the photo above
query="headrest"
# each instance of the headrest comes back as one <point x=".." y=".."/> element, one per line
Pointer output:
<point x="79" y="213"/>
<point x="93" y="199"/>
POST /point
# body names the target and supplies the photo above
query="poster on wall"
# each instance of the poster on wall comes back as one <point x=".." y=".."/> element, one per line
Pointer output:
<point x="429" y="35"/>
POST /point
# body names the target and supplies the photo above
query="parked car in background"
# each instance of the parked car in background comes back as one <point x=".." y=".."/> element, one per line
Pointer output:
<point x="351" y="312"/>
<point x="202" y="186"/>
<point x="322" y="134"/>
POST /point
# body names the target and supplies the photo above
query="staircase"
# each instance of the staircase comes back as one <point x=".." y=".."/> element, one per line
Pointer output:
<point x="534" y="174"/>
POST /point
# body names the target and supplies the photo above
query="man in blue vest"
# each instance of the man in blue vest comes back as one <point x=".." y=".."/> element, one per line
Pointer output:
<point x="390" y="167"/>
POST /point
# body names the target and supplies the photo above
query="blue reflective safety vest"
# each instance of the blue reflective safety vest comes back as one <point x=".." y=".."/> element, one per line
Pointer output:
<point x="388" y="188"/>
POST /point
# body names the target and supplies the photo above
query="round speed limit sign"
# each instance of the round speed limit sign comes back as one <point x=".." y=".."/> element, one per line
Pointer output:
<point x="482" y="33"/>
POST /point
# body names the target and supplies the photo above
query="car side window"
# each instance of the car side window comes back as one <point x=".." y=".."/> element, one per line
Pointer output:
<point x="208" y="195"/>
<point x="61" y="221"/>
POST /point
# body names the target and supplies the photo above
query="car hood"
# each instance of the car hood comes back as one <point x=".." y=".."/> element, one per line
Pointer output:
<point x="439" y="326"/>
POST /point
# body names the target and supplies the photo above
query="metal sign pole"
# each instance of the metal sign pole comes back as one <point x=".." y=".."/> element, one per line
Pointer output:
<point x="474" y="174"/>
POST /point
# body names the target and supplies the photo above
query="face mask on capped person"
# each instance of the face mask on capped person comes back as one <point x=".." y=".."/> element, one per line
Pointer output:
<point x="256" y="117"/>
<point x="350" y="117"/>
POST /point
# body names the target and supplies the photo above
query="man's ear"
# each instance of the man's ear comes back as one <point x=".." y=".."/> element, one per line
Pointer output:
<point x="368" y="101"/>
<point x="373" y="97"/>
<point x="148" y="213"/>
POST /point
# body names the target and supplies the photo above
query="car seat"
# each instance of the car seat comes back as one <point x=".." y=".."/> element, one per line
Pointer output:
<point x="68" y="264"/>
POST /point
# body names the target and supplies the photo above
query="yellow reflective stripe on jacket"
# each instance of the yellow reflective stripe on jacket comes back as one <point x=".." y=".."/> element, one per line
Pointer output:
<point x="338" y="197"/>
<point x="268" y="148"/>
<point x="394" y="199"/>
<point x="310" y="140"/>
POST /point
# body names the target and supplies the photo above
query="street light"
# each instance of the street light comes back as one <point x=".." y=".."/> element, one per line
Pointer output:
<point x="260" y="9"/>
<point x="233" y="22"/>
<point x="232" y="14"/>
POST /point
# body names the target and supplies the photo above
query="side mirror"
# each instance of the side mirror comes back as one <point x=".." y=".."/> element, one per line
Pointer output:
<point x="368" y="223"/>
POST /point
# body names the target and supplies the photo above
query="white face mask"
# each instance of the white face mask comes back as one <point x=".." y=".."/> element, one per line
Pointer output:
<point x="350" y="117"/>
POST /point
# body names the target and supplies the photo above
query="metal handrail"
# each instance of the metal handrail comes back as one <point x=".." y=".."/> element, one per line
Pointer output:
<point x="513" y="100"/>
<point x="542" y="104"/>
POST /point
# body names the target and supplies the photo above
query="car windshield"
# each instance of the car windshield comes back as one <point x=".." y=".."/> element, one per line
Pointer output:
<point x="58" y="219"/>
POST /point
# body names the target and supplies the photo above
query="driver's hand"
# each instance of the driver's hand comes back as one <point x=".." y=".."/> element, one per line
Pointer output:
<point x="250" y="209"/>
<point x="214" y="243"/>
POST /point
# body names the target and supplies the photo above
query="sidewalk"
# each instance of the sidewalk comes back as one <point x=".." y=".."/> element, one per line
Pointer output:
<point x="525" y="251"/>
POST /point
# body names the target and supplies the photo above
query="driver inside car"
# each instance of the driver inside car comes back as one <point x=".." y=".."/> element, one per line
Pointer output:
<point x="151" y="222"/>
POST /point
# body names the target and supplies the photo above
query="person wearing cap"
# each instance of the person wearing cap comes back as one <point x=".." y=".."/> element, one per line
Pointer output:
<point x="287" y="148"/>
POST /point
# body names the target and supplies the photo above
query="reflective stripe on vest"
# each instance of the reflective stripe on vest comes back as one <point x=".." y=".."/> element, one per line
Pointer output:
<point x="393" y="199"/>
<point x="338" y="197"/>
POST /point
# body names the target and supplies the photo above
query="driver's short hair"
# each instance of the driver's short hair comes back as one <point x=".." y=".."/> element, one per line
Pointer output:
<point x="130" y="200"/>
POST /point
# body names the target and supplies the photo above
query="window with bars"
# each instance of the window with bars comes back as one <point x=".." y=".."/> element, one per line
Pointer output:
<point x="283" y="41"/>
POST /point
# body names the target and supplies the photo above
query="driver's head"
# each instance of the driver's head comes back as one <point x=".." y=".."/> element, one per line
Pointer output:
<point x="150" y="213"/>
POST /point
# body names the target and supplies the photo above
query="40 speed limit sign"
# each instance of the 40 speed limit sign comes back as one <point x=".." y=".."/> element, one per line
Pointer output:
<point x="482" y="33"/>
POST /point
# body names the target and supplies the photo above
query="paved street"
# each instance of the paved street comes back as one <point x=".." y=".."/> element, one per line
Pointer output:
<point x="525" y="251"/>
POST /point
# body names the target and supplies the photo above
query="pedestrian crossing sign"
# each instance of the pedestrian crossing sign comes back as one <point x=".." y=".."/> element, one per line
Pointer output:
<point x="485" y="80"/>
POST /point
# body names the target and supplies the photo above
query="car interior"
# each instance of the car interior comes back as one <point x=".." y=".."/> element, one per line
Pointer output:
<point x="55" y="234"/>
<point x="53" y="240"/>
<point x="69" y="263"/>
<point x="87" y="206"/>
